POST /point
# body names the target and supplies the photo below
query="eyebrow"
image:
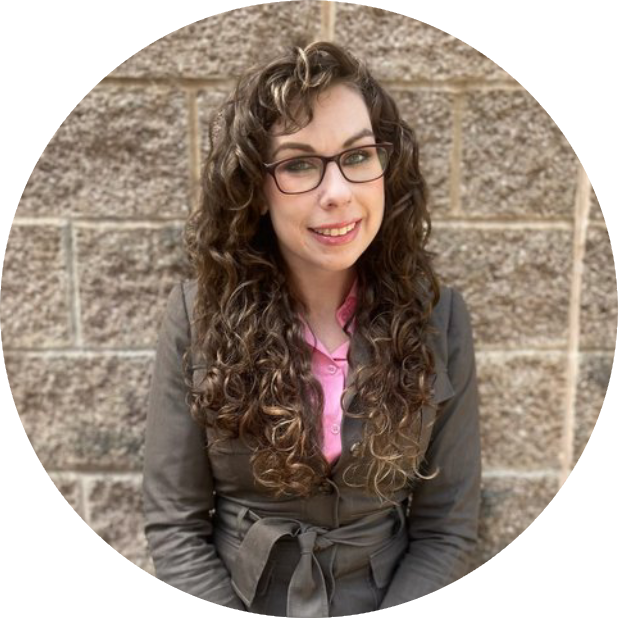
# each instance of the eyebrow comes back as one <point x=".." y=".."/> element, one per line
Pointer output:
<point x="309" y="149"/>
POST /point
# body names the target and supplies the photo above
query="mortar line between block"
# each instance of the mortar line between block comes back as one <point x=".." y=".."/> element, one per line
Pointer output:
<point x="74" y="286"/>
<point x="583" y="204"/>
<point x="328" y="16"/>
<point x="194" y="148"/>
<point x="455" y="159"/>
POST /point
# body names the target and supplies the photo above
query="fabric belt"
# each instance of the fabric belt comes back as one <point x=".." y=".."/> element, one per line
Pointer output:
<point x="307" y="594"/>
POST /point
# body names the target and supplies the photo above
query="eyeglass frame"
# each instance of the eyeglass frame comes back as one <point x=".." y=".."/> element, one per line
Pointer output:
<point x="270" y="167"/>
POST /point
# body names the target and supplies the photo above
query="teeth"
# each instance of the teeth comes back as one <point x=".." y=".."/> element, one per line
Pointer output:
<point x="336" y="231"/>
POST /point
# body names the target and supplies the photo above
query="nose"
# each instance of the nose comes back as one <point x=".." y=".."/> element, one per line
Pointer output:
<point x="334" y="189"/>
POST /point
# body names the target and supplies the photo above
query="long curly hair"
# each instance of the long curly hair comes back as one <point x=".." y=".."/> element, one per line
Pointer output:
<point x="258" y="385"/>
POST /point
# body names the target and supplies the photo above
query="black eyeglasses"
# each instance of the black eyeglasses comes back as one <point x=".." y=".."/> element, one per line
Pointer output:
<point x="360" y="164"/>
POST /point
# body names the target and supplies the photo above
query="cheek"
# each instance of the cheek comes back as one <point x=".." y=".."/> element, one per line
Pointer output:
<point x="287" y="229"/>
<point x="378" y="199"/>
<point x="377" y="215"/>
<point x="379" y="219"/>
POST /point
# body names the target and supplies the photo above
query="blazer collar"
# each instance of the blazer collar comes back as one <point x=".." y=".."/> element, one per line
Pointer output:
<point x="351" y="433"/>
<point x="359" y="355"/>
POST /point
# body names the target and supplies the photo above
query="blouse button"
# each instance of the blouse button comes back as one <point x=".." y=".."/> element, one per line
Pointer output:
<point x="335" y="428"/>
<point x="331" y="369"/>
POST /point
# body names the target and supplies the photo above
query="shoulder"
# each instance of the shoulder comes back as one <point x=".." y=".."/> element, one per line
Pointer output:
<point x="451" y="321"/>
<point x="176" y="331"/>
<point x="178" y="314"/>
<point x="181" y="299"/>
<point x="451" y="306"/>
<point x="189" y="291"/>
<point x="178" y="300"/>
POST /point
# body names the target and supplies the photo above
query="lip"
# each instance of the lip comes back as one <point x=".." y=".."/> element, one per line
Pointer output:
<point x="337" y="240"/>
<point x="341" y="224"/>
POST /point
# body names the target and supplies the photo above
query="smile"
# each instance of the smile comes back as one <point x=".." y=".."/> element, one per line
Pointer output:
<point x="338" y="235"/>
<point x="336" y="231"/>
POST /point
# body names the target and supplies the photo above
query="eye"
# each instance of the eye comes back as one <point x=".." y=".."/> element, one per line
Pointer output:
<point x="357" y="157"/>
<point x="298" y="166"/>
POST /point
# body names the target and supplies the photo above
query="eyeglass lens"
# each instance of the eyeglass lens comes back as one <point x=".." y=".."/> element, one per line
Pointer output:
<point x="305" y="173"/>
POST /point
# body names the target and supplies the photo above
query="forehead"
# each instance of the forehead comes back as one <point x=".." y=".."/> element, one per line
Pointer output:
<point x="338" y="113"/>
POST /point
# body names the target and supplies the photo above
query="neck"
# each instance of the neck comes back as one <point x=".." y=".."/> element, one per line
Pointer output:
<point x="323" y="293"/>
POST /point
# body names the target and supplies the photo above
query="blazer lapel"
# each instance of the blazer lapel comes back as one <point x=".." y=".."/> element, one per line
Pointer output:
<point x="351" y="428"/>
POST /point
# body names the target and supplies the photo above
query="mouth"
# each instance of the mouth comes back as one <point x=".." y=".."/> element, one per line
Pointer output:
<point x="336" y="230"/>
<point x="338" y="234"/>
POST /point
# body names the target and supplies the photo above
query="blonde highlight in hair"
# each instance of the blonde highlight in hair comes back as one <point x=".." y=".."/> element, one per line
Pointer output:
<point x="258" y="383"/>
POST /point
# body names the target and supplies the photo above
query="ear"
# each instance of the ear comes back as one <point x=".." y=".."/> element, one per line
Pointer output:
<point x="263" y="209"/>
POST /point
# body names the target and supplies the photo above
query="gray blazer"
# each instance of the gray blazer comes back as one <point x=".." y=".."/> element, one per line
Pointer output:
<point x="215" y="534"/>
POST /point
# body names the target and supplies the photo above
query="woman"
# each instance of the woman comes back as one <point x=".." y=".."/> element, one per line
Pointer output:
<point x="312" y="444"/>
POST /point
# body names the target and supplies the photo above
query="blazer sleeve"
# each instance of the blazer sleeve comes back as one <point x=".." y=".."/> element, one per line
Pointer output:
<point x="177" y="483"/>
<point x="444" y="510"/>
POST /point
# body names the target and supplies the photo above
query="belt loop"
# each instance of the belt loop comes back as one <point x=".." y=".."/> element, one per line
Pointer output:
<point x="239" y="518"/>
<point x="402" y="517"/>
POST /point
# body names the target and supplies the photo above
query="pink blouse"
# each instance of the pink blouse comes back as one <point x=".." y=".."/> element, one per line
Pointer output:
<point x="331" y="369"/>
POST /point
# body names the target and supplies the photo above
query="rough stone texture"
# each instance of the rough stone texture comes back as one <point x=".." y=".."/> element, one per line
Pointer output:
<point x="509" y="505"/>
<point x="115" y="508"/>
<point x="227" y="43"/>
<point x="82" y="413"/>
<point x="516" y="282"/>
<point x="125" y="153"/>
<point x="515" y="161"/>
<point x="431" y="116"/>
<point x="400" y="48"/>
<point x="522" y="410"/>
<point x="595" y="208"/>
<point x="599" y="304"/>
<point x="70" y="487"/>
<point x="125" y="276"/>
<point x="595" y="371"/>
<point x="34" y="308"/>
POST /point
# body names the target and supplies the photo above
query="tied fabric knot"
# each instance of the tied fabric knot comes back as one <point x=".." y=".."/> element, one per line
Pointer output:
<point x="306" y="541"/>
<point x="307" y="590"/>
<point x="307" y="594"/>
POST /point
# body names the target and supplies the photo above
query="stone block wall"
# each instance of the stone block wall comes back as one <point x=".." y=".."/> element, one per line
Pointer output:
<point x="96" y="247"/>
